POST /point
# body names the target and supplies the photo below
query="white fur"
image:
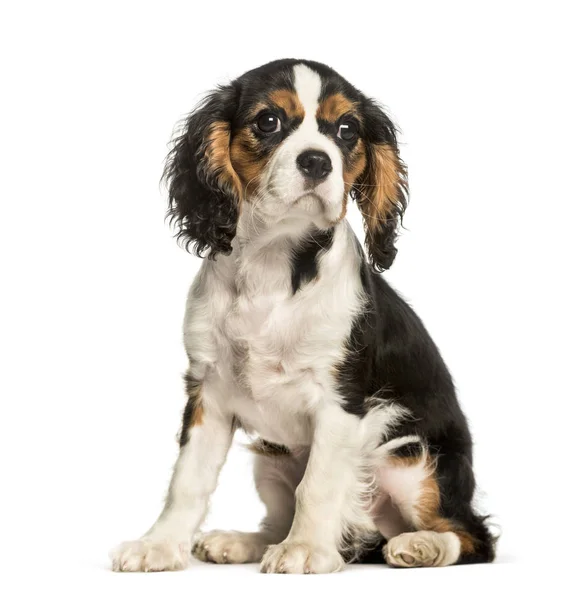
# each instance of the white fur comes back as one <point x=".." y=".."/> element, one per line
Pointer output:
<point x="396" y="443"/>
<point x="151" y="555"/>
<point x="276" y="349"/>
<point x="423" y="549"/>
<point x="301" y="558"/>
<point x="276" y="479"/>
<point x="330" y="495"/>
<point x="398" y="487"/>
<point x="403" y="484"/>
<point x="167" y="545"/>
<point x="232" y="547"/>
<point x="265" y="357"/>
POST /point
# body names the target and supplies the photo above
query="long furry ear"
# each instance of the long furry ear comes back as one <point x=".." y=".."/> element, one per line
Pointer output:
<point x="204" y="189"/>
<point x="381" y="191"/>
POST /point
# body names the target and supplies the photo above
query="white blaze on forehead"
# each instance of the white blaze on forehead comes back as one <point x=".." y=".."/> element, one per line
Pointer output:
<point x="282" y="177"/>
<point x="308" y="88"/>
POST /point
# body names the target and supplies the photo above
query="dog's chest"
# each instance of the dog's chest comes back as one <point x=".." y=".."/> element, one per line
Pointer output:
<point x="272" y="350"/>
<point x="280" y="348"/>
<point x="274" y="361"/>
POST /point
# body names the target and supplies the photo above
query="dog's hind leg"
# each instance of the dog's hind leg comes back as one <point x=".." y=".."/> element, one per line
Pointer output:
<point x="277" y="474"/>
<point x="433" y="494"/>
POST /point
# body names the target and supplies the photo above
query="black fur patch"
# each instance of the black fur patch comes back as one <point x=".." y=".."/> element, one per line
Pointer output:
<point x="266" y="448"/>
<point x="204" y="214"/>
<point x="304" y="265"/>
<point x="455" y="477"/>
<point x="391" y="356"/>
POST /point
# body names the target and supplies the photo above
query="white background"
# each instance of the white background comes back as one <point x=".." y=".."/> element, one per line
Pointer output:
<point x="93" y="285"/>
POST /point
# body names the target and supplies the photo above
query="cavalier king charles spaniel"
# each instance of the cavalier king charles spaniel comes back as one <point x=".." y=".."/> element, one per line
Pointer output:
<point x="362" y="452"/>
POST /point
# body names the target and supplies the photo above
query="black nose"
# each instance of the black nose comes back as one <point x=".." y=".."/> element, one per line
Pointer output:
<point x="314" y="164"/>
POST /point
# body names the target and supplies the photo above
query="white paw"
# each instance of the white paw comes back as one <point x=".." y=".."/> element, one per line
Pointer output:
<point x="422" y="549"/>
<point x="230" y="547"/>
<point x="293" y="557"/>
<point x="150" y="555"/>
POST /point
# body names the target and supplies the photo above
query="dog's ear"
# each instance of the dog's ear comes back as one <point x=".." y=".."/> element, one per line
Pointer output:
<point x="381" y="191"/>
<point x="204" y="189"/>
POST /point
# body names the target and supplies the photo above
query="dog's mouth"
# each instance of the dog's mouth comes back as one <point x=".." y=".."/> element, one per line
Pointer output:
<point x="312" y="204"/>
<point x="311" y="196"/>
<point x="315" y="207"/>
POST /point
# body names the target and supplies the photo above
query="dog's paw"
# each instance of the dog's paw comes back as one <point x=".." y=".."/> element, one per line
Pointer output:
<point x="293" y="557"/>
<point x="151" y="555"/>
<point x="230" y="547"/>
<point x="422" y="549"/>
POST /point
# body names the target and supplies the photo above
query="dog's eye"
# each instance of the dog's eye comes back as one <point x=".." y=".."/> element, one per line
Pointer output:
<point x="269" y="123"/>
<point x="348" y="131"/>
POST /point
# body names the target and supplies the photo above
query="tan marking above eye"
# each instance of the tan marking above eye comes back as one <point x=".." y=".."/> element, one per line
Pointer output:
<point x="289" y="102"/>
<point x="334" y="107"/>
<point x="258" y="108"/>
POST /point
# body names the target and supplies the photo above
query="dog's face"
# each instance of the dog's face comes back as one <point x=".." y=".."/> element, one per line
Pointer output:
<point x="292" y="140"/>
<point x="296" y="148"/>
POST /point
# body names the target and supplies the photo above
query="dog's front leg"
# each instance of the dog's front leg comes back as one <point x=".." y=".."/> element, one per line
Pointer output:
<point x="327" y="499"/>
<point x="167" y="545"/>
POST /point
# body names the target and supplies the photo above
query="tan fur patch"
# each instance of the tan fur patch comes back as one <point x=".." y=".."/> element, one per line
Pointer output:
<point x="194" y="389"/>
<point x="289" y="101"/>
<point x="246" y="161"/>
<point x="380" y="188"/>
<point x="197" y="415"/>
<point x="405" y="461"/>
<point x="218" y="157"/>
<point x="258" y="108"/>
<point x="335" y="106"/>
<point x="467" y="542"/>
<point x="427" y="509"/>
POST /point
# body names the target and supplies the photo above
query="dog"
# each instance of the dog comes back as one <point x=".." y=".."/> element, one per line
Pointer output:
<point x="294" y="336"/>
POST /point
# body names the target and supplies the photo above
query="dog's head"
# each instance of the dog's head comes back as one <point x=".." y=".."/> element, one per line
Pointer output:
<point x="290" y="140"/>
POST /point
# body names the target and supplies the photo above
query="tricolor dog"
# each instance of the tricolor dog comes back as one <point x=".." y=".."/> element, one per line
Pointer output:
<point x="362" y="452"/>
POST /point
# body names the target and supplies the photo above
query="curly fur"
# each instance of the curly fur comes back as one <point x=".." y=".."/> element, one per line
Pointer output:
<point x="379" y="130"/>
<point x="203" y="209"/>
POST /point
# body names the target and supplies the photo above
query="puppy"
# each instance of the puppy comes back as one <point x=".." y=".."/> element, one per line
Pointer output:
<point x="293" y="335"/>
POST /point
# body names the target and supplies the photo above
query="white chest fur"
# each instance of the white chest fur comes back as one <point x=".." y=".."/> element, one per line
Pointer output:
<point x="264" y="352"/>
